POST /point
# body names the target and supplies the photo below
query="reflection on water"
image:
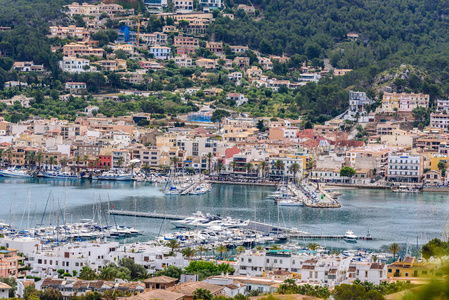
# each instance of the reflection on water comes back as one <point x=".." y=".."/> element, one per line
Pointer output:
<point x="390" y="217"/>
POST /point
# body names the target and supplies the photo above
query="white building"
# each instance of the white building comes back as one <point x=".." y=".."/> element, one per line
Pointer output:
<point x="155" y="3"/>
<point x="288" y="162"/>
<point x="405" y="168"/>
<point x="74" y="65"/>
<point x="197" y="146"/>
<point x="211" y="3"/>
<point x="231" y="288"/>
<point x="121" y="137"/>
<point x="366" y="271"/>
<point x="439" y="120"/>
<point x="73" y="257"/>
<point x="183" y="61"/>
<point x="310" y="77"/>
<point x="239" y="98"/>
<point x="358" y="101"/>
<point x="442" y="104"/>
<point x="160" y="52"/>
<point x="4" y="290"/>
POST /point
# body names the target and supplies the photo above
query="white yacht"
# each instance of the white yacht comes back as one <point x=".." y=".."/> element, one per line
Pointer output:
<point x="59" y="175"/>
<point x="114" y="176"/>
<point x="350" y="237"/>
<point x="16" y="173"/>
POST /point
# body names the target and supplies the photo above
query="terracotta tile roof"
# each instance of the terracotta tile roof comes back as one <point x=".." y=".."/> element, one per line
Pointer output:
<point x="409" y="259"/>
<point x="161" y="279"/>
<point x="231" y="286"/>
<point x="51" y="282"/>
<point x="332" y="272"/>
<point x="352" y="269"/>
<point x="157" y="294"/>
<point x="305" y="267"/>
<point x="378" y="266"/>
<point x="80" y="284"/>
<point x="189" y="287"/>
<point x="4" y="286"/>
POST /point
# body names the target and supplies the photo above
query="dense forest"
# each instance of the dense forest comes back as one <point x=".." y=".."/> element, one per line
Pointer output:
<point x="391" y="32"/>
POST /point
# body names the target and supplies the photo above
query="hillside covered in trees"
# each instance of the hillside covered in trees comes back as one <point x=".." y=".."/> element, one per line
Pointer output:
<point x="391" y="32"/>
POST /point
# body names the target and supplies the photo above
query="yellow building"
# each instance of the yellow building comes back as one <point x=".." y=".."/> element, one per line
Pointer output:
<point x="435" y="160"/>
<point x="409" y="267"/>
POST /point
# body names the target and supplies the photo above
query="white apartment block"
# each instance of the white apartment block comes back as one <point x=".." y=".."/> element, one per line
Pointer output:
<point x="183" y="4"/>
<point x="160" y="52"/>
<point x="73" y="257"/>
<point x="74" y="65"/>
<point x="439" y="120"/>
<point x="358" y="101"/>
<point x="196" y="147"/>
<point x="442" y="104"/>
<point x="405" y="168"/>
<point x="322" y="270"/>
<point x="211" y="3"/>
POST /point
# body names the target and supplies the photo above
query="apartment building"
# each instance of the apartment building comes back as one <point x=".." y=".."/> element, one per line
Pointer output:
<point x="9" y="263"/>
<point x="386" y="128"/>
<point x="206" y="63"/>
<point x="442" y="104"/>
<point x="439" y="120"/>
<point x="183" y="61"/>
<point x="94" y="10"/>
<point x="74" y="49"/>
<point x="112" y="65"/>
<point x="405" y="168"/>
<point x="159" y="4"/>
<point x="69" y="31"/>
<point x="370" y="157"/>
<point x="160" y="52"/>
<point x="197" y="146"/>
<point x="155" y="38"/>
<point x="184" y="41"/>
<point x="183" y="4"/>
<point x="214" y="47"/>
<point x="73" y="64"/>
<point x="285" y="172"/>
<point x="403" y="101"/>
<point x="241" y="62"/>
<point x="211" y="3"/>
<point x="238" y="49"/>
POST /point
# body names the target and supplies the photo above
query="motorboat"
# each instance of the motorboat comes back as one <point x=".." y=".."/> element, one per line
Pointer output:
<point x="290" y="202"/>
<point x="350" y="237"/>
<point x="114" y="176"/>
<point x="404" y="189"/>
<point x="59" y="175"/>
<point x="16" y="173"/>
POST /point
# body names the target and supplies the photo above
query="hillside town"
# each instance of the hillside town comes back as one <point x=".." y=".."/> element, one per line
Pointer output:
<point x="151" y="98"/>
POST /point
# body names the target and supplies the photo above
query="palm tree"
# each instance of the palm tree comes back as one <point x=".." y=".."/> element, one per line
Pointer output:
<point x="30" y="157"/>
<point x="132" y="165"/>
<point x="63" y="162"/>
<point x="275" y="247"/>
<point x="259" y="248"/>
<point x="8" y="153"/>
<point x="240" y="249"/>
<point x="263" y="166"/>
<point x="188" y="252"/>
<point x="174" y="160"/>
<point x="201" y="250"/>
<point x="279" y="165"/>
<point x="294" y="168"/>
<point x="313" y="246"/>
<point x="219" y="167"/>
<point x="202" y="294"/>
<point x="120" y="161"/>
<point x="77" y="159"/>
<point x="146" y="168"/>
<point x="97" y="162"/>
<point x="51" y="161"/>
<point x="209" y="160"/>
<point x="222" y="249"/>
<point x="394" y="248"/>
<point x="233" y="165"/>
<point x="172" y="244"/>
<point x="1" y="155"/>
<point x="248" y="167"/>
<point x="85" y="159"/>
<point x="39" y="158"/>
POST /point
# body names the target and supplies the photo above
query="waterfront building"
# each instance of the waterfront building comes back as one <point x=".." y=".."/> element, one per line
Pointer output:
<point x="405" y="168"/>
<point x="410" y="267"/>
<point x="285" y="172"/>
<point x="74" y="256"/>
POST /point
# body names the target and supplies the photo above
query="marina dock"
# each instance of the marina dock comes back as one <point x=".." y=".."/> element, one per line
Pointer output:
<point x="252" y="225"/>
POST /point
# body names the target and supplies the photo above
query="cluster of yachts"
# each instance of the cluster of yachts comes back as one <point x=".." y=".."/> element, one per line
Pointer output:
<point x="58" y="174"/>
<point x="83" y="230"/>
<point x="190" y="187"/>
<point x="199" y="220"/>
<point x="296" y="195"/>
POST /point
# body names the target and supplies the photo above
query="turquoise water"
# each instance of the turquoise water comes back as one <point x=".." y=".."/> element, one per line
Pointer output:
<point x="390" y="217"/>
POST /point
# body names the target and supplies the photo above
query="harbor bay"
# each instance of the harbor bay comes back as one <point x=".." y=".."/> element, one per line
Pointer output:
<point x="389" y="217"/>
